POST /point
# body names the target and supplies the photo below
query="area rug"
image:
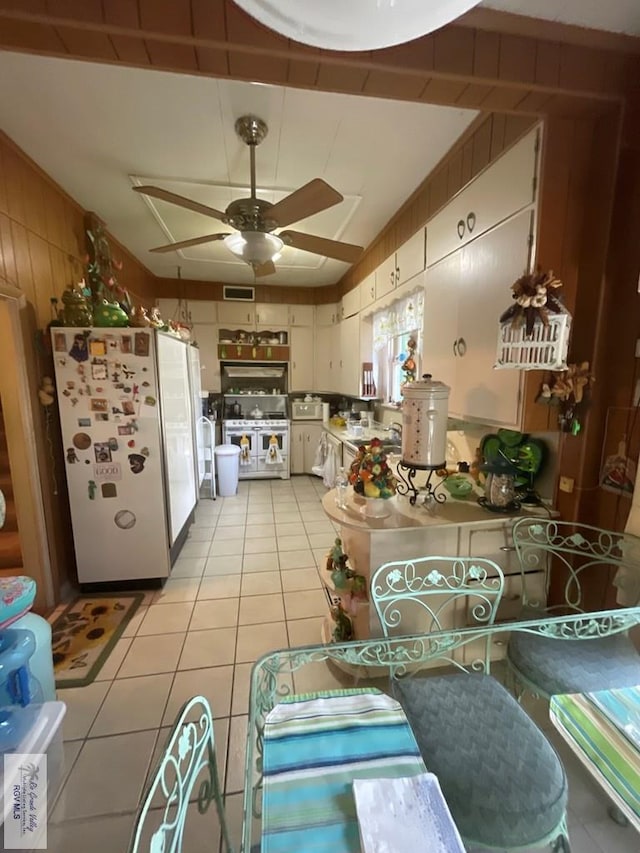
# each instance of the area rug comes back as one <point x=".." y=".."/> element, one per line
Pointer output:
<point x="85" y="634"/>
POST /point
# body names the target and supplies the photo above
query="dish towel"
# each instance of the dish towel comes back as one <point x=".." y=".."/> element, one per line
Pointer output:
<point x="273" y="457"/>
<point x="245" y="451"/>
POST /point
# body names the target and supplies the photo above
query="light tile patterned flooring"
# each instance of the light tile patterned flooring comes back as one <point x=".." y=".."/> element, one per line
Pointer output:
<point x="245" y="583"/>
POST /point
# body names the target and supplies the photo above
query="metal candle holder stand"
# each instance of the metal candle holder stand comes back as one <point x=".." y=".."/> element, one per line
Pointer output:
<point x="406" y="486"/>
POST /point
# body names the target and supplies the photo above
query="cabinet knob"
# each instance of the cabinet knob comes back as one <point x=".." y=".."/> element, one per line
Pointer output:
<point x="248" y="318"/>
<point x="455" y="347"/>
<point x="461" y="228"/>
<point x="462" y="347"/>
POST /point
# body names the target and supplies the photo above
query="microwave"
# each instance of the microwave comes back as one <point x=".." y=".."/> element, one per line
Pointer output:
<point x="303" y="411"/>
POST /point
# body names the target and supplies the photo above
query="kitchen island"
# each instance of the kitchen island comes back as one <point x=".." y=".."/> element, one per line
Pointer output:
<point x="455" y="528"/>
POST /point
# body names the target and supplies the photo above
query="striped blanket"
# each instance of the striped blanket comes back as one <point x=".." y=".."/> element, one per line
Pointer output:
<point x="605" y="726"/>
<point x="315" y="745"/>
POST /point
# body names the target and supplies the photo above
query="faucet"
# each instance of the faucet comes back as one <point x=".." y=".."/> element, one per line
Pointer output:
<point x="395" y="431"/>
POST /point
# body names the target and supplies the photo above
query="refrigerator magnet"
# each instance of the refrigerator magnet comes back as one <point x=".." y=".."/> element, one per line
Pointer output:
<point x="136" y="462"/>
<point x="79" y="349"/>
<point x="84" y="422"/>
<point x="74" y="401"/>
<point x="124" y="519"/>
<point x="99" y="369"/>
<point x="102" y="451"/>
<point x="126" y="429"/>
<point x="59" y="342"/>
<point x="125" y="344"/>
<point x="145" y="451"/>
<point x="141" y="343"/>
<point x="109" y="490"/>
<point x="128" y="408"/>
<point x="149" y="401"/>
<point x="91" y="489"/>
<point x="81" y="440"/>
<point x="97" y="347"/>
<point x="99" y="404"/>
<point x="101" y="416"/>
<point x="72" y="456"/>
<point x="71" y="384"/>
<point x="113" y="444"/>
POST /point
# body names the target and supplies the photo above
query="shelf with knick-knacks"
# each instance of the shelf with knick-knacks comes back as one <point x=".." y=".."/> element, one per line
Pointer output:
<point x="347" y="596"/>
<point x="241" y="345"/>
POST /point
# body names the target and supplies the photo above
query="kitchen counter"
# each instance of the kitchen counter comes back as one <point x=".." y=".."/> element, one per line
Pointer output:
<point x="402" y="516"/>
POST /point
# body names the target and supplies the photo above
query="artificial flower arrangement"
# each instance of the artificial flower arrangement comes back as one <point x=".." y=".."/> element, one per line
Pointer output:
<point x="535" y="298"/>
<point x="567" y="391"/>
<point x="370" y="474"/>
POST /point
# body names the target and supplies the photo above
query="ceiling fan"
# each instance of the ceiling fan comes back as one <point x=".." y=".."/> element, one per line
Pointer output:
<point x="255" y="219"/>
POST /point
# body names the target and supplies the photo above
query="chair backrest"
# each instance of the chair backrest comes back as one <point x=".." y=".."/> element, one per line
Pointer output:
<point x="436" y="594"/>
<point x="189" y="757"/>
<point x="582" y="559"/>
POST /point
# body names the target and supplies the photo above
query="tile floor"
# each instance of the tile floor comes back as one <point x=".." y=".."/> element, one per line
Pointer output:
<point x="245" y="583"/>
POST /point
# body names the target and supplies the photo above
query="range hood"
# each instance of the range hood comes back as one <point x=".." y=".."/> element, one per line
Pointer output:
<point x="253" y="371"/>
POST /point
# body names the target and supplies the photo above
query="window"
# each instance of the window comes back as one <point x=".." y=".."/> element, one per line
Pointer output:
<point x="392" y="328"/>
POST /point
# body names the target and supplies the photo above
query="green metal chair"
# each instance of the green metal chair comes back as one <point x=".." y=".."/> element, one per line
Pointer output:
<point x="503" y="781"/>
<point x="189" y="751"/>
<point x="579" y="561"/>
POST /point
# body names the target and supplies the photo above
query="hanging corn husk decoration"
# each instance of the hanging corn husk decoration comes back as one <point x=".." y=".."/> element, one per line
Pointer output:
<point x="535" y="297"/>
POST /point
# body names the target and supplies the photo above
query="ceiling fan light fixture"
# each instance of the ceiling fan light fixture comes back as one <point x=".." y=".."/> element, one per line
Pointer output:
<point x="355" y="24"/>
<point x="254" y="247"/>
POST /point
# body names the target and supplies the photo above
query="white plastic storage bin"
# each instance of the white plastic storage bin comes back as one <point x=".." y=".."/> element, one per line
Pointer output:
<point x="228" y="465"/>
<point x="43" y="735"/>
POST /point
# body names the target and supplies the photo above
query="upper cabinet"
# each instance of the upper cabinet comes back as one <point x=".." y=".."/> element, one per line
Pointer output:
<point x="302" y="315"/>
<point x="368" y="291"/>
<point x="199" y="310"/>
<point x="350" y="304"/>
<point x="236" y="314"/>
<point x="504" y="188"/>
<point x="270" y="315"/>
<point x="256" y="315"/>
<point x="405" y="263"/>
<point x="327" y="314"/>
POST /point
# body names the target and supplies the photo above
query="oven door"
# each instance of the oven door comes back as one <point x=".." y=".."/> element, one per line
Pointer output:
<point x="248" y="451"/>
<point x="264" y="441"/>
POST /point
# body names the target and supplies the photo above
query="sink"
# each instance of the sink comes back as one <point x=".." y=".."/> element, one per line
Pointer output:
<point x="390" y="447"/>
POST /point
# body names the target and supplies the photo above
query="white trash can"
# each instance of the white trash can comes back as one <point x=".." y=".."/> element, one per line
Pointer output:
<point x="228" y="466"/>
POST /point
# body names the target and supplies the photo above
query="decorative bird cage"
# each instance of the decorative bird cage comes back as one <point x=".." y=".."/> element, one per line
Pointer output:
<point x="533" y="332"/>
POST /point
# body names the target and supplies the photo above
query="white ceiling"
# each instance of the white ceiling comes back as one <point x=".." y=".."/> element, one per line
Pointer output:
<point x="619" y="16"/>
<point x="97" y="129"/>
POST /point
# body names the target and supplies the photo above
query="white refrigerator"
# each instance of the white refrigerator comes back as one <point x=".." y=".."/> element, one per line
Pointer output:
<point x="126" y="416"/>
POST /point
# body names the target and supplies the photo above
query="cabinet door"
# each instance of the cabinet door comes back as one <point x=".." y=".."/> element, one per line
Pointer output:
<point x="440" y="330"/>
<point x="203" y="311"/>
<point x="386" y="276"/>
<point x="296" y="449"/>
<point x="327" y="358"/>
<point x="350" y="366"/>
<point x="206" y="337"/>
<point x="504" y="188"/>
<point x="350" y="303"/>
<point x="301" y="315"/>
<point x="270" y="315"/>
<point x="327" y="314"/>
<point x="301" y="358"/>
<point x="490" y="265"/>
<point x="311" y="440"/>
<point x="368" y="291"/>
<point x="410" y="258"/>
<point x="236" y="313"/>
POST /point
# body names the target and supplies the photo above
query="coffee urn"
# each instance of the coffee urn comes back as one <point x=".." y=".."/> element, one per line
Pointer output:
<point x="424" y="423"/>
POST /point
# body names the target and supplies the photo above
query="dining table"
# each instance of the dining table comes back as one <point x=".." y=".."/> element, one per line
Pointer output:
<point x="318" y="748"/>
<point x="602" y="728"/>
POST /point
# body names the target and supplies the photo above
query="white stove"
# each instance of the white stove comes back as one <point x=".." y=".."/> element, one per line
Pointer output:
<point x="259" y="423"/>
<point x="264" y="446"/>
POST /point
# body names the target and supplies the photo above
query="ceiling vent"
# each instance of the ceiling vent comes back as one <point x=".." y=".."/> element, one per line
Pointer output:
<point x="238" y="294"/>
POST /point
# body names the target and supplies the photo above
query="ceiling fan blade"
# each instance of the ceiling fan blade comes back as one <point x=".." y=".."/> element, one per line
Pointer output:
<point x="313" y="197"/>
<point x="267" y="268"/>
<point x="321" y="246"/>
<point x="194" y="241"/>
<point x="180" y="200"/>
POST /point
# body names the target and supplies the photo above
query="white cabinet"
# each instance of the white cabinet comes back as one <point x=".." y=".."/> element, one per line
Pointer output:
<point x="350" y="364"/>
<point x="206" y="336"/>
<point x="196" y="310"/>
<point x="232" y="314"/>
<point x="304" y="443"/>
<point x="464" y="296"/>
<point x="301" y="315"/>
<point x="350" y="304"/>
<point x="503" y="189"/>
<point x="327" y="358"/>
<point x="301" y="361"/>
<point x="327" y="314"/>
<point x="386" y="276"/>
<point x="368" y="291"/>
<point x="270" y="315"/>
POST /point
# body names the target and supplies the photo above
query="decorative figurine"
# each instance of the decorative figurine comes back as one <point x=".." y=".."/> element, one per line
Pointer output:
<point x="409" y="364"/>
<point x="109" y="315"/>
<point x="343" y="632"/>
<point x="138" y="317"/>
<point x="76" y="310"/>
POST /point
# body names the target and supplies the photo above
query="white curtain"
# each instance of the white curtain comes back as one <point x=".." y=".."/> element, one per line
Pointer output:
<point x="401" y="317"/>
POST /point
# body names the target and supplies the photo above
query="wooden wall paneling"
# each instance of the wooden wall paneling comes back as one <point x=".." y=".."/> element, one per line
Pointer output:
<point x="502" y="98"/>
<point x="172" y="17"/>
<point x="453" y="51"/>
<point x="13" y="178"/>
<point x="23" y="259"/>
<point x="87" y="44"/>
<point x="8" y="253"/>
<point x="131" y="51"/>
<point x="486" y="54"/>
<point x="32" y="192"/>
<point x="170" y="56"/>
<point x="54" y="215"/>
<point x="31" y="36"/>
<point x="498" y="125"/>
<point x="517" y="58"/>
<point x="441" y="91"/>
<point x="42" y="278"/>
<point x="473" y="95"/>
<point x="4" y="201"/>
<point x="391" y="84"/>
<point x="481" y="147"/>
